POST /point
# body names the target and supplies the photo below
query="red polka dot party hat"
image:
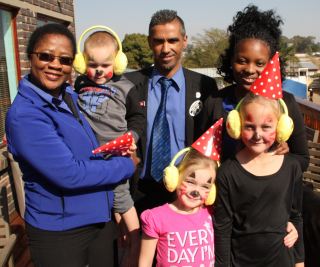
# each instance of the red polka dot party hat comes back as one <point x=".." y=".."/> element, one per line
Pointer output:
<point x="117" y="146"/>
<point x="268" y="84"/>
<point x="209" y="144"/>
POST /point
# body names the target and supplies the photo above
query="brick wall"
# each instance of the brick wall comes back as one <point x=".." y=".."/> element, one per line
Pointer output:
<point x="26" y="21"/>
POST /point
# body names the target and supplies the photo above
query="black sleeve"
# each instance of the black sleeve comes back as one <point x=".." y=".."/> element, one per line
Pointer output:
<point x="311" y="225"/>
<point x="211" y="111"/>
<point x="81" y="81"/>
<point x="296" y="215"/>
<point x="135" y="116"/>
<point x="77" y="84"/>
<point x="222" y="222"/>
<point x="298" y="141"/>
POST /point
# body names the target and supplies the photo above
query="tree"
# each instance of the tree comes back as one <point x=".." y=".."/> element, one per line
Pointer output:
<point x="304" y="44"/>
<point x="287" y="51"/>
<point x="136" y="47"/>
<point x="205" y="49"/>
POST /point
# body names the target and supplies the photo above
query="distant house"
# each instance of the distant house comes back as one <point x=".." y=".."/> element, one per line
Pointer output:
<point x="309" y="66"/>
<point x="300" y="73"/>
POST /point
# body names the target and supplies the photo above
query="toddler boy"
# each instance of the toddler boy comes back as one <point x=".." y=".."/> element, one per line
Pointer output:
<point x="110" y="104"/>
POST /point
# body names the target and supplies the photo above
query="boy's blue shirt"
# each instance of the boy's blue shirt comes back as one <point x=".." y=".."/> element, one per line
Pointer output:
<point x="112" y="109"/>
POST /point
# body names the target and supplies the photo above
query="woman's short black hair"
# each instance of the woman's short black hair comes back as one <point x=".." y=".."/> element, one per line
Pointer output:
<point x="50" y="28"/>
<point x="256" y="24"/>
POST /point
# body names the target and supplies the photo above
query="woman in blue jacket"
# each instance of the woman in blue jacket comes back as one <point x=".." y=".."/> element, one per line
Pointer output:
<point x="68" y="189"/>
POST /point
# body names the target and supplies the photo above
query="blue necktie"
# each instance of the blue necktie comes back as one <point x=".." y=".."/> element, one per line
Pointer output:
<point x="161" y="150"/>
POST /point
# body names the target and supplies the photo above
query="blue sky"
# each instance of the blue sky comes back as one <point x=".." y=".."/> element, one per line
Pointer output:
<point x="301" y="17"/>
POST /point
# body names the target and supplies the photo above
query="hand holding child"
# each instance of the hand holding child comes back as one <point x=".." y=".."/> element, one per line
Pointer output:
<point x="282" y="149"/>
<point x="292" y="235"/>
<point x="132" y="149"/>
<point x="132" y="153"/>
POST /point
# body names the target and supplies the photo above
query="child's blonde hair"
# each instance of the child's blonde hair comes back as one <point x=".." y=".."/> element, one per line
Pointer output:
<point x="252" y="98"/>
<point x="194" y="160"/>
<point x="100" y="39"/>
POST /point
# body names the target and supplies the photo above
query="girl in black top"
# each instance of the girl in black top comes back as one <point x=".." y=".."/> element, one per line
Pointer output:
<point x="258" y="193"/>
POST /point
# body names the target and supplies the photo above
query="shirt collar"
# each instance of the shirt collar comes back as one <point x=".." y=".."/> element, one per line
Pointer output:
<point x="54" y="101"/>
<point x="178" y="78"/>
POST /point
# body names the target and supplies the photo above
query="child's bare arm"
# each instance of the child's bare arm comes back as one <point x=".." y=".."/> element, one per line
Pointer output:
<point x="129" y="239"/>
<point x="147" y="251"/>
<point x="131" y="220"/>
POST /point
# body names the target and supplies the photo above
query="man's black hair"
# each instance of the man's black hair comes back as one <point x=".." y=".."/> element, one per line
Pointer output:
<point x="165" y="16"/>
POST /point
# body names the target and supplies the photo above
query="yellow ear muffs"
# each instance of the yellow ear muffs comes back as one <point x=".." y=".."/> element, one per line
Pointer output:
<point x="120" y="63"/>
<point x="171" y="173"/>
<point x="211" y="196"/>
<point x="233" y="123"/>
<point x="285" y="124"/>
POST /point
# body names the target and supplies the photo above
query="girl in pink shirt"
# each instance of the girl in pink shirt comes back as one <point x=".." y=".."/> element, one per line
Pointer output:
<point x="181" y="232"/>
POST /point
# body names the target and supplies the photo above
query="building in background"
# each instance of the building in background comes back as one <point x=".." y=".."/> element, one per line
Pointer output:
<point x="302" y="78"/>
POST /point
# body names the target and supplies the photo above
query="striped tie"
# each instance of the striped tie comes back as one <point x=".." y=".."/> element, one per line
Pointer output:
<point x="161" y="151"/>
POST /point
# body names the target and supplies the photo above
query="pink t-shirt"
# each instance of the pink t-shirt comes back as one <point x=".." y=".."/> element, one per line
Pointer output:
<point x="184" y="239"/>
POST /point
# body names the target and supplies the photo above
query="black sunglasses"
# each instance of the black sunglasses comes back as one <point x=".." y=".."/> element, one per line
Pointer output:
<point x="47" y="57"/>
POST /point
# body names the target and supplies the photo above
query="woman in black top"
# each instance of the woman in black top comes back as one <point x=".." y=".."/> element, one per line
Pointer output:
<point x="250" y="29"/>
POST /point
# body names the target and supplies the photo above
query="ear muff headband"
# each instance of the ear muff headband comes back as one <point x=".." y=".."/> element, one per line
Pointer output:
<point x="107" y="29"/>
<point x="238" y="105"/>
<point x="171" y="173"/>
<point x="171" y="177"/>
<point x="284" y="127"/>
<point x="285" y="124"/>
<point x="180" y="153"/>
<point x="121" y="60"/>
<point x="233" y="122"/>
<point x="283" y="106"/>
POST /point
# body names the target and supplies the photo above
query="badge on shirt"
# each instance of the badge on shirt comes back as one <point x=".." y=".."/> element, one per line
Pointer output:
<point x="195" y="108"/>
<point x="142" y="103"/>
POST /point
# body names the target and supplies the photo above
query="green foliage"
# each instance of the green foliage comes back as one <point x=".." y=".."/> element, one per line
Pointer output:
<point x="305" y="44"/>
<point x="287" y="51"/>
<point x="137" y="50"/>
<point x="205" y="49"/>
